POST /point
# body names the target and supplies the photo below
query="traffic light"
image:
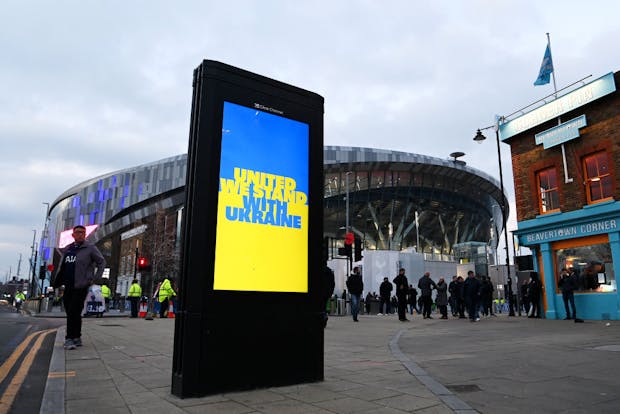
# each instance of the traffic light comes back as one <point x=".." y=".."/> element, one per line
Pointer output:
<point x="358" y="249"/>
<point x="143" y="263"/>
<point x="349" y="238"/>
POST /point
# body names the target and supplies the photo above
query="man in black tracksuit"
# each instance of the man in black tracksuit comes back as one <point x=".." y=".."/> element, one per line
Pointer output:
<point x="453" y="296"/>
<point x="355" y="284"/>
<point x="471" y="293"/>
<point x="385" y="292"/>
<point x="426" y="286"/>
<point x="402" y="288"/>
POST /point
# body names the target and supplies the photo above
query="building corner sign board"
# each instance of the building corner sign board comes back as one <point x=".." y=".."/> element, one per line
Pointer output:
<point x="570" y="232"/>
<point x="561" y="133"/>
<point x="566" y="103"/>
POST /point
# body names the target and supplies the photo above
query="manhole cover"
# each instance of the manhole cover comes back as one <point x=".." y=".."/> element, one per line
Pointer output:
<point x="464" y="388"/>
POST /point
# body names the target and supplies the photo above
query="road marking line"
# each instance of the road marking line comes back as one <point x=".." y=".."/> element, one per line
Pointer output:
<point x="8" y="364"/>
<point x="61" y="374"/>
<point x="11" y="391"/>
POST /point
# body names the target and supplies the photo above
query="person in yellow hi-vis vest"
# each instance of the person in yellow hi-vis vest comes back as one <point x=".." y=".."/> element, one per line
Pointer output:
<point x="165" y="294"/>
<point x="135" y="292"/>
<point x="106" y="293"/>
<point x="19" y="299"/>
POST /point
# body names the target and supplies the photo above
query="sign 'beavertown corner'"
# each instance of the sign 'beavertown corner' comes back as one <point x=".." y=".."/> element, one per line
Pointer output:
<point x="577" y="230"/>
<point x="575" y="99"/>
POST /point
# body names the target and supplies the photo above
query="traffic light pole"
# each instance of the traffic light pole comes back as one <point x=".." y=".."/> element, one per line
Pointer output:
<point x="135" y="264"/>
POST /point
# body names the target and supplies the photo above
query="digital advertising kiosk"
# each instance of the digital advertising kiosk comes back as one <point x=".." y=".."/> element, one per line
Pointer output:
<point x="250" y="307"/>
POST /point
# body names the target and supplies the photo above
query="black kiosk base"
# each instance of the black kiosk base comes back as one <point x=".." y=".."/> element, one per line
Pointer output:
<point x="251" y="301"/>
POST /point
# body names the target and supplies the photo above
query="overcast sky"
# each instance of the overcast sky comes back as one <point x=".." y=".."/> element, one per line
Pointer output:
<point x="89" y="87"/>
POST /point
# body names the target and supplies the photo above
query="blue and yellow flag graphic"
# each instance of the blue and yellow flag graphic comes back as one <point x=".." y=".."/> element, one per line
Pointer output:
<point x="262" y="220"/>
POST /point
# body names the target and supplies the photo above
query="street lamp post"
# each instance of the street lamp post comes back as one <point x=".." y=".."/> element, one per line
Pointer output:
<point x="33" y="264"/>
<point x="44" y="241"/>
<point x="346" y="230"/>
<point x="479" y="138"/>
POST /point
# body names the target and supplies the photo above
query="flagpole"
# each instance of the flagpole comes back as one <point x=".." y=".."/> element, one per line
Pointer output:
<point x="567" y="179"/>
<point x="555" y="88"/>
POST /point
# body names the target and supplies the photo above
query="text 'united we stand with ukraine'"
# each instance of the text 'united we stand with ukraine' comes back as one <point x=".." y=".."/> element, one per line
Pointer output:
<point x="266" y="198"/>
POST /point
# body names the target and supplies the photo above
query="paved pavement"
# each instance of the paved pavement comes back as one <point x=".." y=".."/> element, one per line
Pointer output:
<point x="379" y="365"/>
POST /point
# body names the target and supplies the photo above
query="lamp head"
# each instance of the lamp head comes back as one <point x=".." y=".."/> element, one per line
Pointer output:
<point x="457" y="154"/>
<point x="479" y="137"/>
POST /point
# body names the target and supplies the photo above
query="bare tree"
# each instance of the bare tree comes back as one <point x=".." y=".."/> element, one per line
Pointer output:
<point x="161" y="247"/>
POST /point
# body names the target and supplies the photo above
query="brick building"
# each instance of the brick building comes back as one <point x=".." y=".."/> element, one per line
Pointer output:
<point x="566" y="164"/>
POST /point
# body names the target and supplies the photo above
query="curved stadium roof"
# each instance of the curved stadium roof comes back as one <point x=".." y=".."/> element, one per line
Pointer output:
<point x="454" y="203"/>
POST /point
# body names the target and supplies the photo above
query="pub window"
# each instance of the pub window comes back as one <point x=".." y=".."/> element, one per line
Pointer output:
<point x="548" y="198"/>
<point x="598" y="180"/>
<point x="591" y="264"/>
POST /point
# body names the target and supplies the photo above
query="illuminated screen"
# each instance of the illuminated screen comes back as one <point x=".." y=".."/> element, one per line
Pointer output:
<point x="262" y="218"/>
<point x="66" y="237"/>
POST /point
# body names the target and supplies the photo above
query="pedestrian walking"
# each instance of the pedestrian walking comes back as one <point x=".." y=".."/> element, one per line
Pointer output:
<point x="460" y="298"/>
<point x="81" y="263"/>
<point x="134" y="295"/>
<point x="452" y="298"/>
<point x="329" y="283"/>
<point x="486" y="295"/>
<point x="402" y="288"/>
<point x="525" y="300"/>
<point x="94" y="304"/>
<point x="471" y="293"/>
<point x="567" y="285"/>
<point x="19" y="299"/>
<point x="385" y="294"/>
<point x="533" y="292"/>
<point x="367" y="301"/>
<point x="355" y="284"/>
<point x="426" y="286"/>
<point x="107" y="294"/>
<point x="165" y="295"/>
<point x="441" y="300"/>
<point x="412" y="299"/>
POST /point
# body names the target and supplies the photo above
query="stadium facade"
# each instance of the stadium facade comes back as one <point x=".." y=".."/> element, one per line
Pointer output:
<point x="396" y="201"/>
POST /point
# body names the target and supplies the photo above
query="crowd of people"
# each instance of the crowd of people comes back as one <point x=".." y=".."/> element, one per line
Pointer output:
<point x="464" y="298"/>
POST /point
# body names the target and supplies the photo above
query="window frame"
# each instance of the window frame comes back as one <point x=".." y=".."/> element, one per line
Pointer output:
<point x="596" y="180"/>
<point x="540" y="191"/>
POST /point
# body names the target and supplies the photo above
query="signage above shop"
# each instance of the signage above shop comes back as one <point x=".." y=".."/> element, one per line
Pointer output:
<point x="572" y="100"/>
<point x="561" y="133"/>
<point x="569" y="232"/>
<point x="133" y="232"/>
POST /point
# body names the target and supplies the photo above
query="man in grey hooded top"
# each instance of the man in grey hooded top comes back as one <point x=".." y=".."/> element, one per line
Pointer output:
<point x="81" y="264"/>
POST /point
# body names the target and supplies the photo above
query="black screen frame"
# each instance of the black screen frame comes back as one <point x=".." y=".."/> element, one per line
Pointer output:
<point x="205" y="316"/>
